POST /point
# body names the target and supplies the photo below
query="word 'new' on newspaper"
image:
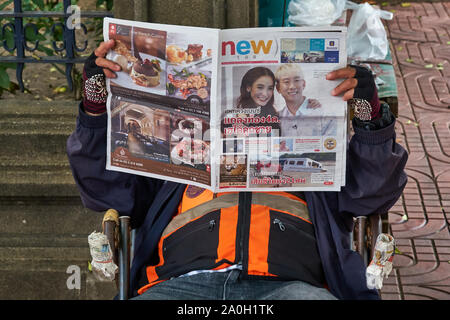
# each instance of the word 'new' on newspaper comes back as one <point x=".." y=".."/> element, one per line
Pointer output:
<point x="227" y="110"/>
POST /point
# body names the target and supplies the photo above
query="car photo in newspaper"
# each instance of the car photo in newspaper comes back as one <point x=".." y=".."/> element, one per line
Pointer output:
<point x="159" y="104"/>
<point x="277" y="107"/>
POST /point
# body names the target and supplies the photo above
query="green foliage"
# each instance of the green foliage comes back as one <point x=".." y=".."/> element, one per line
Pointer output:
<point x="5" y="82"/>
<point x="96" y="25"/>
<point x="5" y="4"/>
<point x="4" y="78"/>
<point x="107" y="4"/>
<point x="42" y="32"/>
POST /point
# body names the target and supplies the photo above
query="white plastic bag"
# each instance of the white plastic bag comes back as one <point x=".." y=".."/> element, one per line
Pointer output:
<point x="103" y="266"/>
<point x="315" y="12"/>
<point x="366" y="35"/>
<point x="381" y="265"/>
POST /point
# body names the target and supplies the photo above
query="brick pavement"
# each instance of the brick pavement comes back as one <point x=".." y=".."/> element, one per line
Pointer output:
<point x="420" y="42"/>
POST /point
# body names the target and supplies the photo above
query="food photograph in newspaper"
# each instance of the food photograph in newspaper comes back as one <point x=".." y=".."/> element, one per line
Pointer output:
<point x="160" y="102"/>
<point x="158" y="141"/>
<point x="169" y="68"/>
<point x="277" y="105"/>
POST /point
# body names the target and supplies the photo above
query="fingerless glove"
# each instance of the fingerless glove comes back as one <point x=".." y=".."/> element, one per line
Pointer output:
<point x="365" y="102"/>
<point x="94" y="87"/>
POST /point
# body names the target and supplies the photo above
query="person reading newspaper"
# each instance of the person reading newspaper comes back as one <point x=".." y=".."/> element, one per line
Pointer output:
<point x="192" y="244"/>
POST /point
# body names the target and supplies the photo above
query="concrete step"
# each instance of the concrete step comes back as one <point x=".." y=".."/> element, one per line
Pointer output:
<point x="51" y="285"/>
<point x="38" y="129"/>
<point x="44" y="252"/>
<point x="32" y="144"/>
<point x="35" y="180"/>
<point x="59" y="272"/>
<point x="56" y="216"/>
<point x="33" y="160"/>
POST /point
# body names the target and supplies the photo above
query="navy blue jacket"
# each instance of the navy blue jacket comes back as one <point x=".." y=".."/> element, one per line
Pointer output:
<point x="375" y="179"/>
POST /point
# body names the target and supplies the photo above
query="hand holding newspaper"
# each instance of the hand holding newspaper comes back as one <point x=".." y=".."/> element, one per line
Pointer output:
<point x="227" y="110"/>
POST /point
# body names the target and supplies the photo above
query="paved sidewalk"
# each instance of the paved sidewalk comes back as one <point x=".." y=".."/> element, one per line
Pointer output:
<point x="420" y="43"/>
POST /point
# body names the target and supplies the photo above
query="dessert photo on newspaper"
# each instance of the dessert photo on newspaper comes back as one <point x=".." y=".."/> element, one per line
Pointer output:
<point x="141" y="53"/>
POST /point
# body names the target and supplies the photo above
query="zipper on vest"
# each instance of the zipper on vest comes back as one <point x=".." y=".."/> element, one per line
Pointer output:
<point x="244" y="211"/>
<point x="280" y="224"/>
<point x="212" y="223"/>
<point x="207" y="225"/>
<point x="283" y="224"/>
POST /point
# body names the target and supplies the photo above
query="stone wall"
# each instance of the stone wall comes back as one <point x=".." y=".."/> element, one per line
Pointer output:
<point x="221" y="14"/>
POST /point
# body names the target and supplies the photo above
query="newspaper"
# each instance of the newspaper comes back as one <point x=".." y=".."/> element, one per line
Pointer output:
<point x="227" y="110"/>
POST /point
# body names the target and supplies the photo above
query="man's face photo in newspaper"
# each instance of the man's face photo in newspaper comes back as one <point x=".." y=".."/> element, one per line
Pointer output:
<point x="291" y="85"/>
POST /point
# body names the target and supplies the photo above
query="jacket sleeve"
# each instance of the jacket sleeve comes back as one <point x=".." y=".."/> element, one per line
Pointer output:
<point x="102" y="189"/>
<point x="375" y="176"/>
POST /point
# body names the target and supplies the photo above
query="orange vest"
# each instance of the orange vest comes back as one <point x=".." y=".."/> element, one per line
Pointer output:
<point x="269" y="233"/>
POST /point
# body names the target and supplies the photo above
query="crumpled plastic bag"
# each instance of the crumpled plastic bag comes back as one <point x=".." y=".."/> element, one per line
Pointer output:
<point x="103" y="266"/>
<point x="366" y="35"/>
<point x="381" y="265"/>
<point x="315" y="12"/>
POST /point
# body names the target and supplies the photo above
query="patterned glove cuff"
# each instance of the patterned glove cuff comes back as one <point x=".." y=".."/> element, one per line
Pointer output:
<point x="365" y="103"/>
<point x="361" y="109"/>
<point x="95" y="93"/>
<point x="365" y="110"/>
<point x="94" y="89"/>
<point x="384" y="119"/>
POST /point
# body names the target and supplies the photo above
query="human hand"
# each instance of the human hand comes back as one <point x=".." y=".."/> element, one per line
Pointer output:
<point x="313" y="104"/>
<point x="95" y="69"/>
<point x="109" y="67"/>
<point x="358" y="89"/>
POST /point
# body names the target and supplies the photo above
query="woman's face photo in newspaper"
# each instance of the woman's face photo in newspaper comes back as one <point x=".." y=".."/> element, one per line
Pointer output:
<point x="256" y="87"/>
<point x="261" y="91"/>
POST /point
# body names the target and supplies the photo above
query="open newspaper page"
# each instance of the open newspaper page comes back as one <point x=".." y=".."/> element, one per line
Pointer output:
<point x="280" y="126"/>
<point x="161" y="104"/>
